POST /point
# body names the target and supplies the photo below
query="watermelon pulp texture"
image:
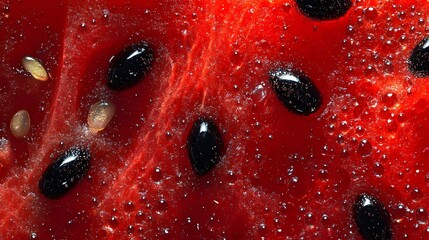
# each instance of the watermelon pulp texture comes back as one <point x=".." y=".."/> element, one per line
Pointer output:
<point x="282" y="174"/>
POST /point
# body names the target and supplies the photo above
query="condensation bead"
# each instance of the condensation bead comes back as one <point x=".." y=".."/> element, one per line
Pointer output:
<point x="389" y="99"/>
<point x="364" y="148"/>
<point x="371" y="13"/>
<point x="35" y="68"/>
<point x="421" y="215"/>
<point x="129" y="206"/>
<point x="378" y="169"/>
<point x="99" y="116"/>
<point x="20" y="124"/>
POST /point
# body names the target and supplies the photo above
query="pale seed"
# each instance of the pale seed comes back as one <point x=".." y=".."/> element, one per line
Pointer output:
<point x="20" y="124"/>
<point x="35" y="68"/>
<point x="100" y="115"/>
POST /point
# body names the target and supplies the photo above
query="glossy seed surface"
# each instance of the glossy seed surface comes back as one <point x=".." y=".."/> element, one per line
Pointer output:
<point x="204" y="146"/>
<point x="418" y="62"/>
<point x="130" y="66"/>
<point x="296" y="91"/>
<point x="324" y="9"/>
<point x="65" y="172"/>
<point x="372" y="218"/>
<point x="100" y="115"/>
<point x="20" y="124"/>
<point x="35" y="68"/>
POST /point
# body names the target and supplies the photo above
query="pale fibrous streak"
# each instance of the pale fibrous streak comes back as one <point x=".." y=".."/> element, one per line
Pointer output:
<point x="20" y="124"/>
<point x="99" y="116"/>
<point x="35" y="68"/>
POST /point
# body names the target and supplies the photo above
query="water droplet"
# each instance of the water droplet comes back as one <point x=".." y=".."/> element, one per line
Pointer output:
<point x="323" y="174"/>
<point x="309" y="219"/>
<point x="161" y="206"/>
<point x="157" y="175"/>
<point x="100" y="115"/>
<point x="259" y="93"/>
<point x="231" y="178"/>
<point x="385" y="112"/>
<point x="114" y="222"/>
<point x="391" y="125"/>
<point x="401" y="117"/>
<point x="106" y="14"/>
<point x="421" y="215"/>
<point x="129" y="206"/>
<point x="20" y="124"/>
<point x="360" y="130"/>
<point x="416" y="194"/>
<point x="399" y="212"/>
<point x="365" y="148"/>
<point x="296" y="188"/>
<point x="35" y="68"/>
<point x="389" y="99"/>
<point x="286" y="7"/>
<point x="262" y="229"/>
<point x="236" y="58"/>
<point x="325" y="220"/>
<point x="370" y="13"/>
<point x="130" y="229"/>
<point x="378" y="169"/>
<point x="140" y="217"/>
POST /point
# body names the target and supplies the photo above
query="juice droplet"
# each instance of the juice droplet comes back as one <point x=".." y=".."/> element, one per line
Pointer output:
<point x="421" y="215"/>
<point x="370" y="13"/>
<point x="389" y="99"/>
<point x="364" y="148"/>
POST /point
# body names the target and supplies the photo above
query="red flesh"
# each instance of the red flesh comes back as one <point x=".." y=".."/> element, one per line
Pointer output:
<point x="210" y="59"/>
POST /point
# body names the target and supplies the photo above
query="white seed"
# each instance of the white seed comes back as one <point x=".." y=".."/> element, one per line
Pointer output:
<point x="20" y="124"/>
<point x="35" y="68"/>
<point x="100" y="115"/>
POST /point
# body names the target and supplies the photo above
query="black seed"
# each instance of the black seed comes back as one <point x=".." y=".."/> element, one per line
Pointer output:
<point x="296" y="91"/>
<point x="418" y="62"/>
<point x="324" y="9"/>
<point x="372" y="219"/>
<point x="65" y="172"/>
<point x="130" y="66"/>
<point x="204" y="146"/>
